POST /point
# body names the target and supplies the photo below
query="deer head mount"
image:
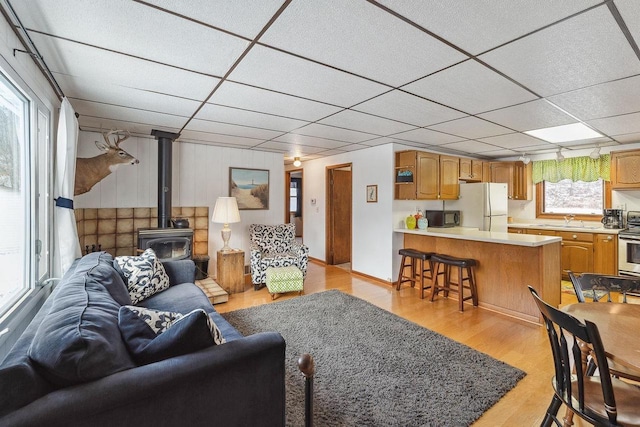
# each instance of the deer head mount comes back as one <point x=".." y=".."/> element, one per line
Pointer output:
<point x="91" y="170"/>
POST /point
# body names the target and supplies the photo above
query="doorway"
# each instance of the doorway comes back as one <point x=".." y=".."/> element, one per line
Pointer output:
<point x="293" y="200"/>
<point x="338" y="238"/>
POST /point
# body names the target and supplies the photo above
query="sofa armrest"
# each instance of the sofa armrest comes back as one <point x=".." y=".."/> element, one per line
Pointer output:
<point x="239" y="383"/>
<point x="180" y="271"/>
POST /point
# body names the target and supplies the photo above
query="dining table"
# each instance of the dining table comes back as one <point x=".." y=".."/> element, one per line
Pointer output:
<point x="619" y="327"/>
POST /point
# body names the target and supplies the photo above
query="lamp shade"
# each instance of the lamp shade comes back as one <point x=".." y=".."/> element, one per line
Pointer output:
<point x="226" y="211"/>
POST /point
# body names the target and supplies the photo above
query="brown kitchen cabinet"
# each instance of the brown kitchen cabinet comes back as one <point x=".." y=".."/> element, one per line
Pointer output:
<point x="577" y="252"/>
<point x="503" y="172"/>
<point x="625" y="170"/>
<point x="471" y="170"/>
<point x="435" y="177"/>
<point x="516" y="230"/>
<point x="516" y="175"/>
<point x="486" y="171"/>
<point x="605" y="254"/>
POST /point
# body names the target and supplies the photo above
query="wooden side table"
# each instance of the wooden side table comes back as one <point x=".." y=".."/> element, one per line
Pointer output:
<point x="230" y="271"/>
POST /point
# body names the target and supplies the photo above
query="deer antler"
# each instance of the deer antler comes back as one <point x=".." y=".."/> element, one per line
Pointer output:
<point x="117" y="133"/>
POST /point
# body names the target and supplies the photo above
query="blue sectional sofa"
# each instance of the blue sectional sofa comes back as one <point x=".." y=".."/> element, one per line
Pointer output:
<point x="71" y="367"/>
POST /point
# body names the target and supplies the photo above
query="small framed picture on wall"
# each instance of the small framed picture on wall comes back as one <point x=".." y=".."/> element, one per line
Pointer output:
<point x="372" y="194"/>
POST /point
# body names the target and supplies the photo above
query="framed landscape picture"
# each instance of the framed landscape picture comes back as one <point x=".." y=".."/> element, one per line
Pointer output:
<point x="250" y="187"/>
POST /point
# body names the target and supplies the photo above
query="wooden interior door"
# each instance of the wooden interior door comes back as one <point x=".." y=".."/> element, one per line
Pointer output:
<point x="339" y="224"/>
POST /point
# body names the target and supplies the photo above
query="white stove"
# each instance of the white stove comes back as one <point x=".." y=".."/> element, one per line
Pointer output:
<point x="629" y="246"/>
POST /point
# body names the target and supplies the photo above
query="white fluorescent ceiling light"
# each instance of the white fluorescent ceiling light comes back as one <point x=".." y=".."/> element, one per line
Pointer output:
<point x="573" y="132"/>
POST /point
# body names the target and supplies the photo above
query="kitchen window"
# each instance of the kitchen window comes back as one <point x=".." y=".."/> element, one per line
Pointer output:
<point x="569" y="197"/>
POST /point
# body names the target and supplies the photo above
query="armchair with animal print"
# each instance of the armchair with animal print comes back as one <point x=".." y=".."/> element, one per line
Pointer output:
<point x="275" y="246"/>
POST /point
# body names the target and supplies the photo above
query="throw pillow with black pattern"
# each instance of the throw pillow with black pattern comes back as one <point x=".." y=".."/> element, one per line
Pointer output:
<point x="144" y="275"/>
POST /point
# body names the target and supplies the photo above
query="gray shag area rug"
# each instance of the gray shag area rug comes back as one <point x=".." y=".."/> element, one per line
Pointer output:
<point x="374" y="368"/>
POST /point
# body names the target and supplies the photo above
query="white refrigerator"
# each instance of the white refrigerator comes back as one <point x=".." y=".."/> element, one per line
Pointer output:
<point x="482" y="205"/>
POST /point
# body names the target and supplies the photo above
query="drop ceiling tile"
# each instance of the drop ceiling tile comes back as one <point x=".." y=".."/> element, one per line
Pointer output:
<point x="585" y="50"/>
<point x="353" y="147"/>
<point x="311" y="141"/>
<point x="90" y="89"/>
<point x="236" y="116"/>
<point x="426" y="136"/>
<point x="123" y="114"/>
<point x="470" y="87"/>
<point x="543" y="147"/>
<point x="266" y="101"/>
<point x="293" y="149"/>
<point x="270" y="69"/>
<point x="628" y="138"/>
<point x="471" y="127"/>
<point x="513" y="140"/>
<point x="332" y="152"/>
<point x="365" y="123"/>
<point x="482" y="25"/>
<point x="243" y="17"/>
<point x="618" y="125"/>
<point x="98" y="124"/>
<point x="528" y="116"/>
<point x="72" y="59"/>
<point x="354" y="36"/>
<point x="378" y="141"/>
<point x="471" y="147"/>
<point x="591" y="141"/>
<point x="603" y="100"/>
<point x="330" y="132"/>
<point x="630" y="12"/>
<point x="218" y="139"/>
<point x="136" y="29"/>
<point x="408" y="108"/>
<point x="497" y="154"/>
<point x="233" y="130"/>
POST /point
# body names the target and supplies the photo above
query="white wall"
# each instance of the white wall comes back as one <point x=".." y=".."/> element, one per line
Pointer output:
<point x="200" y="175"/>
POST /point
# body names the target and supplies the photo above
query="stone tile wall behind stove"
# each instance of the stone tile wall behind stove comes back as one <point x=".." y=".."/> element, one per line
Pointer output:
<point x="114" y="229"/>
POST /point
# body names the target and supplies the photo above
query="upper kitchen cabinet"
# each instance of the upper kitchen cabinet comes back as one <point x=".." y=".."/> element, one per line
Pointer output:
<point x="426" y="176"/>
<point x="516" y="175"/>
<point x="471" y="170"/>
<point x="625" y="170"/>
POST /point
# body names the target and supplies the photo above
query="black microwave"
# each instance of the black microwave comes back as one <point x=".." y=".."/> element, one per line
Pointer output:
<point x="442" y="218"/>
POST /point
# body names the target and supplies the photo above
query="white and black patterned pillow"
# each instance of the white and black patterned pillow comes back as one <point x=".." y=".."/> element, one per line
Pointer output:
<point x="152" y="335"/>
<point x="144" y="275"/>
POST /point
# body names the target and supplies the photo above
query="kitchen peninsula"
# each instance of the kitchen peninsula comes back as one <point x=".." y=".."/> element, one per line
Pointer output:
<point x="507" y="263"/>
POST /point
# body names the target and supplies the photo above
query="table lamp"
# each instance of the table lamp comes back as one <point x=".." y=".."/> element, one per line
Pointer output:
<point x="226" y="212"/>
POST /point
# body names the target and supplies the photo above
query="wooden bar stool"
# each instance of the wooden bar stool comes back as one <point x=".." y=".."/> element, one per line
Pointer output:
<point x="461" y="264"/>
<point x="415" y="261"/>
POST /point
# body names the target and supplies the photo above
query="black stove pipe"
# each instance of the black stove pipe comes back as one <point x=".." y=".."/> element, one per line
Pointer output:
<point x="164" y="175"/>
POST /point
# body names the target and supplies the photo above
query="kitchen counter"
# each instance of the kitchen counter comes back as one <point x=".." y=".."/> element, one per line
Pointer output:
<point x="560" y="227"/>
<point x="506" y="264"/>
<point x="473" y="234"/>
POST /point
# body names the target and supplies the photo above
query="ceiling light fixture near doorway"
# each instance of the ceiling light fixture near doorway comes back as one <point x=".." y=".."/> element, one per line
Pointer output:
<point x="564" y="133"/>
<point x="524" y="159"/>
<point x="296" y="162"/>
<point x="595" y="154"/>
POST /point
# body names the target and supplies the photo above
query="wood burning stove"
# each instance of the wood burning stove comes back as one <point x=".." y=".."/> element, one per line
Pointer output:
<point x="167" y="243"/>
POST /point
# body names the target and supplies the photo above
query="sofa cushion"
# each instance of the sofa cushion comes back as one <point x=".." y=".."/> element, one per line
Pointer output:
<point x="78" y="340"/>
<point x="152" y="335"/>
<point x="144" y="274"/>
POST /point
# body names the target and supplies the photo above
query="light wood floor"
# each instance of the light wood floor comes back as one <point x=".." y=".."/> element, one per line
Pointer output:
<point x="520" y="344"/>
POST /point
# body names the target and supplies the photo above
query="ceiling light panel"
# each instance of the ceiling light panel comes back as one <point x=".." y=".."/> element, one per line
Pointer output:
<point x="266" y="101"/>
<point x="330" y="132"/>
<point x="483" y="25"/>
<point x="530" y="115"/>
<point x="73" y="59"/>
<point x="471" y="127"/>
<point x="585" y="50"/>
<point x="158" y="36"/>
<point x="243" y="17"/>
<point x="564" y="133"/>
<point x="354" y="36"/>
<point x="603" y="100"/>
<point x="470" y="87"/>
<point x="365" y="123"/>
<point x="408" y="108"/>
<point x="268" y="68"/>
<point x="248" y="118"/>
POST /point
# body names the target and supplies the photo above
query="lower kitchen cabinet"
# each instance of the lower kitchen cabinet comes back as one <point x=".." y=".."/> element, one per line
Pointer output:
<point x="605" y="253"/>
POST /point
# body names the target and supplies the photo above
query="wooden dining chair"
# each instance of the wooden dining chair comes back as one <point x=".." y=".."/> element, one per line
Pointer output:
<point x="597" y="286"/>
<point x="601" y="400"/>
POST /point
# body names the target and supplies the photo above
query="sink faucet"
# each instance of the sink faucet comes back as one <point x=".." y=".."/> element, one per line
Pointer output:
<point x="568" y="219"/>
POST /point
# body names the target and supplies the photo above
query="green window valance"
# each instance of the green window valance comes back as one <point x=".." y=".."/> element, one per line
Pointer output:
<point x="574" y="168"/>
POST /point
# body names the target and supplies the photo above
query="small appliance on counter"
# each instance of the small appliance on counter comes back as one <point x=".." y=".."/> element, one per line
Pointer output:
<point x="442" y="218"/>
<point x="613" y="218"/>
